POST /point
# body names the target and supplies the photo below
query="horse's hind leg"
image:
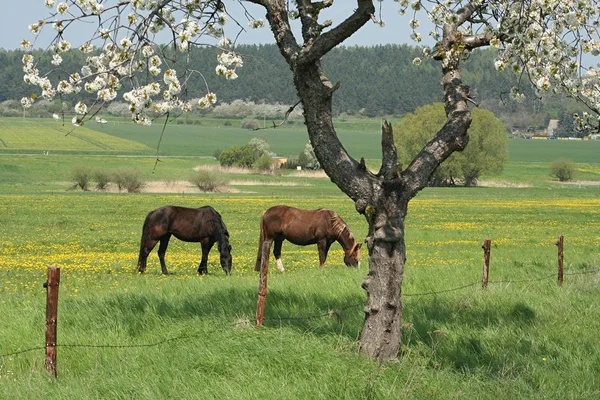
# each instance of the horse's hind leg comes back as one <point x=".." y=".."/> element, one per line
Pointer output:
<point x="277" y="244"/>
<point x="162" y="249"/>
<point x="144" y="251"/>
<point x="206" y="245"/>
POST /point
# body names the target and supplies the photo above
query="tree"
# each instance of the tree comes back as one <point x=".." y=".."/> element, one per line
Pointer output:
<point x="241" y="156"/>
<point x="307" y="158"/>
<point x="541" y="40"/>
<point x="260" y="147"/>
<point x="486" y="153"/>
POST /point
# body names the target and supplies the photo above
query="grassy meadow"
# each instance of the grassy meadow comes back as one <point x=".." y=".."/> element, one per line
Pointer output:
<point x="124" y="335"/>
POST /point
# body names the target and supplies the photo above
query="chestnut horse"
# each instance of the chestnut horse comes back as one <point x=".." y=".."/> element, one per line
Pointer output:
<point x="304" y="227"/>
<point x="203" y="225"/>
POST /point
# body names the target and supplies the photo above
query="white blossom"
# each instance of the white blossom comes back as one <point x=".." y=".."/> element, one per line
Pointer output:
<point x="26" y="102"/>
<point x="80" y="108"/>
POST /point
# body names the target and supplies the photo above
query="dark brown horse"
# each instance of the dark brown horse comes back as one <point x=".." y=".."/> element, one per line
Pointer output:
<point x="304" y="227"/>
<point x="203" y="225"/>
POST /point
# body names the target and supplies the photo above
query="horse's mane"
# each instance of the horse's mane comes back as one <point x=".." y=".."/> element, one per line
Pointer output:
<point x="339" y="226"/>
<point x="220" y="225"/>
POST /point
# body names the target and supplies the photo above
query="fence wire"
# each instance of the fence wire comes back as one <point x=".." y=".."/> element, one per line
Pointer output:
<point x="337" y="313"/>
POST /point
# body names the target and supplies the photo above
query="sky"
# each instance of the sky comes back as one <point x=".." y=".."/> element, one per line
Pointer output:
<point x="15" y="18"/>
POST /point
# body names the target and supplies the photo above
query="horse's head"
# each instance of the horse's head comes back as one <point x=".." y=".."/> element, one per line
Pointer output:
<point x="225" y="250"/>
<point x="352" y="256"/>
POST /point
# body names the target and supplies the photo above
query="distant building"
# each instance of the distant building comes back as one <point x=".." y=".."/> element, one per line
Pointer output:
<point x="552" y="127"/>
<point x="277" y="162"/>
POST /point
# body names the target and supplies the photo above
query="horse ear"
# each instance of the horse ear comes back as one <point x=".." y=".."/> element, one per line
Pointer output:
<point x="357" y="246"/>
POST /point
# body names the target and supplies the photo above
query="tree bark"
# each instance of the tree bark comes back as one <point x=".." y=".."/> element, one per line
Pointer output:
<point x="383" y="197"/>
<point x="380" y="336"/>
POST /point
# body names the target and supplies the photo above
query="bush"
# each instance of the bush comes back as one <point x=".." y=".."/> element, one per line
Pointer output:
<point x="307" y="158"/>
<point x="250" y="124"/>
<point x="241" y="156"/>
<point x="82" y="176"/>
<point x="129" y="179"/>
<point x="217" y="154"/>
<point x="563" y="169"/>
<point x="102" y="179"/>
<point x="264" y="163"/>
<point x="260" y="147"/>
<point x="207" y="181"/>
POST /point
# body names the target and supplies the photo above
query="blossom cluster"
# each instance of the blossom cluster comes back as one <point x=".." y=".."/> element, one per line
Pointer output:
<point x="551" y="42"/>
<point x="122" y="50"/>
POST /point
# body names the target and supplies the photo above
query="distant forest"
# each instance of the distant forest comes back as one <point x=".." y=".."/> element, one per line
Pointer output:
<point x="374" y="81"/>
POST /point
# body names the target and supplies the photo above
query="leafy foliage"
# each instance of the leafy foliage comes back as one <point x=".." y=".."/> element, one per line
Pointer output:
<point x="264" y="163"/>
<point x="251" y="124"/>
<point x="102" y="179"/>
<point x="563" y="169"/>
<point x="486" y="152"/>
<point x="307" y="158"/>
<point x="241" y="156"/>
<point x="246" y="155"/>
<point x="129" y="179"/>
<point x="207" y="181"/>
<point x="82" y="177"/>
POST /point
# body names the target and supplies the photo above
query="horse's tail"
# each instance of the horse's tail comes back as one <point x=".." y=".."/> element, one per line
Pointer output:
<point x="261" y="240"/>
<point x="145" y="236"/>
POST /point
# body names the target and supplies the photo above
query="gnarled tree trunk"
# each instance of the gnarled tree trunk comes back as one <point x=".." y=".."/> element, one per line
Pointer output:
<point x="383" y="197"/>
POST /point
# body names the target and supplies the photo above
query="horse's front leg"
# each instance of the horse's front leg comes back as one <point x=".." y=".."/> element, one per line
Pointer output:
<point x="323" y="246"/>
<point x="206" y="245"/>
<point x="162" y="249"/>
<point x="145" y="249"/>
<point x="277" y="244"/>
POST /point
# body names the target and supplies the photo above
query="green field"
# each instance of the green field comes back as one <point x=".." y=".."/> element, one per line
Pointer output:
<point x="123" y="335"/>
<point x="35" y="135"/>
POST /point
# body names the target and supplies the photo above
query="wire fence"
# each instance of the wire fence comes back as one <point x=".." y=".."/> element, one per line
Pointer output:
<point x="337" y="313"/>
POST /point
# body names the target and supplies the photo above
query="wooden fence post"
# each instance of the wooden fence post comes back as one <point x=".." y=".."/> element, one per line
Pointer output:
<point x="560" y="245"/>
<point x="487" y="243"/>
<point x="51" y="313"/>
<point x="262" y="286"/>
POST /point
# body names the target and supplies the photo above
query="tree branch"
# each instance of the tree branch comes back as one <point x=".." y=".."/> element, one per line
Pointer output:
<point x="277" y="16"/>
<point x="285" y="118"/>
<point x="452" y="137"/>
<point x="389" y="162"/>
<point x="475" y="41"/>
<point x="322" y="44"/>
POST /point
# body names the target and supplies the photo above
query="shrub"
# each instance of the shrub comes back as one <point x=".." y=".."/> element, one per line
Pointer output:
<point x="307" y="158"/>
<point x="102" y="179"/>
<point x="217" y="154"/>
<point x="241" y="156"/>
<point x="129" y="179"/>
<point x="250" y="124"/>
<point x="207" y="181"/>
<point x="264" y="163"/>
<point x="260" y="147"/>
<point x="563" y="169"/>
<point x="82" y="176"/>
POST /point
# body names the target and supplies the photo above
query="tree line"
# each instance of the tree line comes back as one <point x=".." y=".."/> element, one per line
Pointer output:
<point x="375" y="81"/>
